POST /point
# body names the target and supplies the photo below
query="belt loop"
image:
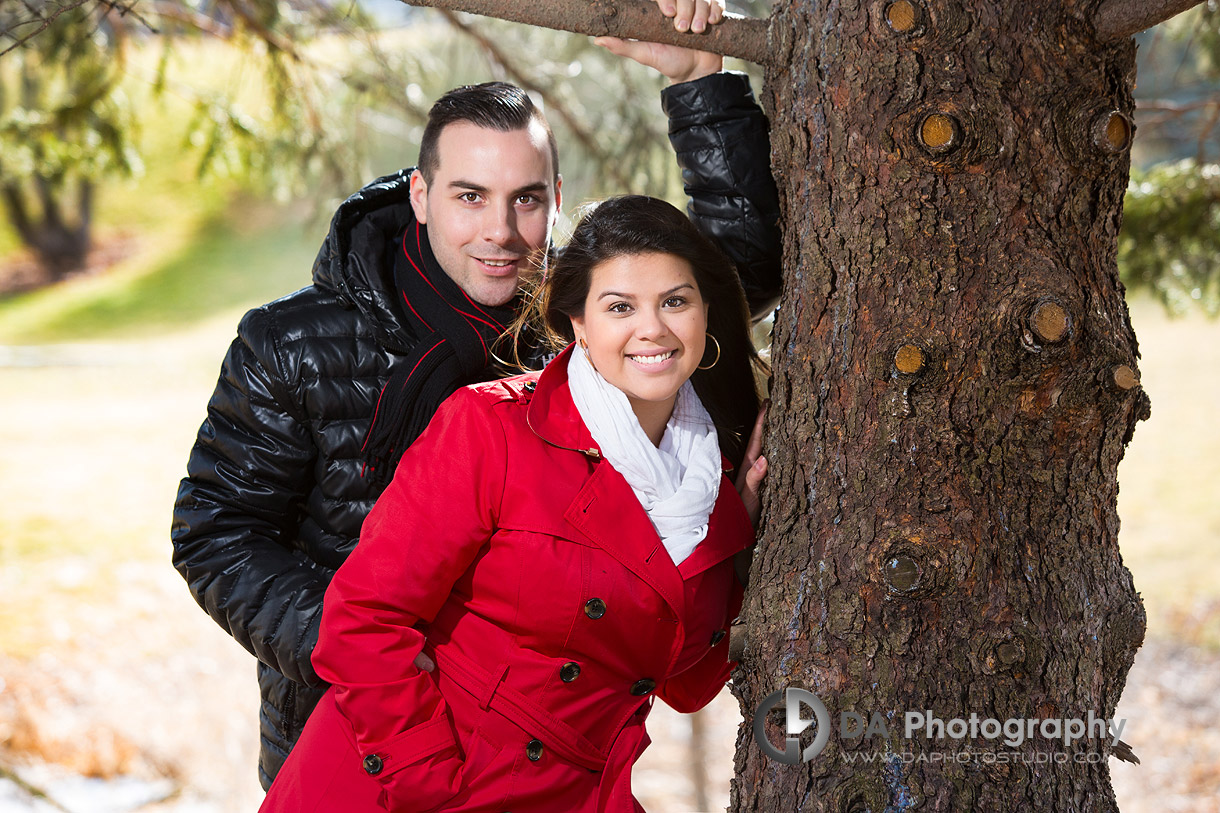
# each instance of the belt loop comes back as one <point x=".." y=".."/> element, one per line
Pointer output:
<point x="493" y="683"/>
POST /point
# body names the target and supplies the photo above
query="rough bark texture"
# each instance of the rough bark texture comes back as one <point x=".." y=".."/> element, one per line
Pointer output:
<point x="954" y="388"/>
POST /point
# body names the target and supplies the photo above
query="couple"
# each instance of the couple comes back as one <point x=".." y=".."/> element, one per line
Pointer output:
<point x="324" y="389"/>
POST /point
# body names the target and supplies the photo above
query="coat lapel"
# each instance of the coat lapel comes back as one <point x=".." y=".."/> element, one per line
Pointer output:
<point x="607" y="512"/>
<point x="728" y="532"/>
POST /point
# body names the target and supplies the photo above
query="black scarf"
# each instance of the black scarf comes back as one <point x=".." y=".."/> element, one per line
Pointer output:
<point x="456" y="335"/>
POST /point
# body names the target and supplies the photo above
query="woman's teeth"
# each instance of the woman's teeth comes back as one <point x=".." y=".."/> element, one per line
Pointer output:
<point x="652" y="359"/>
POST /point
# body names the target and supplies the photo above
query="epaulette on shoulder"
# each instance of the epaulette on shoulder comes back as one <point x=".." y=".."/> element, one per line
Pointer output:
<point x="516" y="388"/>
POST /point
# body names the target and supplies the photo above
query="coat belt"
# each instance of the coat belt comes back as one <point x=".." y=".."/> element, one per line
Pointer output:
<point x="489" y="688"/>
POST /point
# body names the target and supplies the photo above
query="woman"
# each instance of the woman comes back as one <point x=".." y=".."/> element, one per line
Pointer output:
<point x="560" y="544"/>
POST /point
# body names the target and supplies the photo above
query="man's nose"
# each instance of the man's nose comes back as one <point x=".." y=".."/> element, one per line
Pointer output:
<point x="500" y="225"/>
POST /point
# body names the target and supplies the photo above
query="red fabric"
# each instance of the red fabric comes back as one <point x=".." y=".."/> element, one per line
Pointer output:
<point x="487" y="545"/>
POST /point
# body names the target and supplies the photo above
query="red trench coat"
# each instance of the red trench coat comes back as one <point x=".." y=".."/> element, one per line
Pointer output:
<point x="522" y="562"/>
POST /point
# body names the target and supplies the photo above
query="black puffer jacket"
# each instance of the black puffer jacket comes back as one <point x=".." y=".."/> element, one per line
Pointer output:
<point x="274" y="498"/>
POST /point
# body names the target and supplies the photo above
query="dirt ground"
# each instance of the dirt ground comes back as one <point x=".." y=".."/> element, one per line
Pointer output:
<point x="149" y="687"/>
<point x="118" y="694"/>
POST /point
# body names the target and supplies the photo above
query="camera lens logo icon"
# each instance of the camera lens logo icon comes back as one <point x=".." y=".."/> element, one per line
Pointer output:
<point x="793" y="699"/>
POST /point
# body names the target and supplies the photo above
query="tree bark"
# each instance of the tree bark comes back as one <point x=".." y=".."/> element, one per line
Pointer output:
<point x="737" y="36"/>
<point x="954" y="386"/>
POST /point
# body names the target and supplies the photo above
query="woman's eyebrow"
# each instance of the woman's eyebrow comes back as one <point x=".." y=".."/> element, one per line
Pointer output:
<point x="672" y="290"/>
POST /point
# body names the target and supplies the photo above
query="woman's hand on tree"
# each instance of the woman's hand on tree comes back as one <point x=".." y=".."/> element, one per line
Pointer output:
<point x="753" y="469"/>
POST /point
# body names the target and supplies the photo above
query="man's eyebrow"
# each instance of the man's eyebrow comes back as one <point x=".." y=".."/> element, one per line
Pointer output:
<point x="533" y="187"/>
<point x="664" y="294"/>
<point x="474" y="187"/>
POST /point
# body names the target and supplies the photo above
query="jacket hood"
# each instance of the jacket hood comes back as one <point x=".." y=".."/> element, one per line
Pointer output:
<point x="356" y="260"/>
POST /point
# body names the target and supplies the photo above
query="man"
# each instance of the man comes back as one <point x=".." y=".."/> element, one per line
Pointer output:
<point x="323" y="389"/>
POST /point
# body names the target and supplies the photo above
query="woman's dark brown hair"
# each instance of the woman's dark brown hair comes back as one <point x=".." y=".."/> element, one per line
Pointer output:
<point x="635" y="224"/>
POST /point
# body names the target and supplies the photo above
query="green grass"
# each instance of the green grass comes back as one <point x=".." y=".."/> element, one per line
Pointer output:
<point x="217" y="267"/>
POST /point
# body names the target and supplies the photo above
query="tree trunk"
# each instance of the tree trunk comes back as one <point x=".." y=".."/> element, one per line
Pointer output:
<point x="954" y="386"/>
<point x="59" y="246"/>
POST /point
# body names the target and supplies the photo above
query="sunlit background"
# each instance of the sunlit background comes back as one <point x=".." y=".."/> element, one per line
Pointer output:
<point x="211" y="184"/>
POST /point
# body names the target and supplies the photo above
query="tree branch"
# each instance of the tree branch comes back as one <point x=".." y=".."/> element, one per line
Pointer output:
<point x="741" y="37"/>
<point x="553" y="105"/>
<point x="38" y="18"/>
<point x="1116" y="19"/>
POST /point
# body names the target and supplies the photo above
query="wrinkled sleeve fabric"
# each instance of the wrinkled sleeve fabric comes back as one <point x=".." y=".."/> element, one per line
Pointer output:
<point x="424" y="532"/>
<point x="696" y="687"/>
<point x="723" y="146"/>
<point x="238" y="508"/>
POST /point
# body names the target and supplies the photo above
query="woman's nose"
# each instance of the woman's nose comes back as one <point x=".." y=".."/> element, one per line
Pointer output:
<point x="650" y="325"/>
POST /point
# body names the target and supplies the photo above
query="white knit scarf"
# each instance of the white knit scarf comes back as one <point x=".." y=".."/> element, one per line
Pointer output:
<point x="677" y="483"/>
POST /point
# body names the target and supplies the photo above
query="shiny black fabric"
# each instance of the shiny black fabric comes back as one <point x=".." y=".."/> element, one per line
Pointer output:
<point x="274" y="499"/>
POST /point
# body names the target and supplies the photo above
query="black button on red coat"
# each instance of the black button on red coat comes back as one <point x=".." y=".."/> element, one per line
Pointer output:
<point x="533" y="750"/>
<point x="595" y="608"/>
<point x="569" y="672"/>
<point x="373" y="765"/>
<point x="643" y="686"/>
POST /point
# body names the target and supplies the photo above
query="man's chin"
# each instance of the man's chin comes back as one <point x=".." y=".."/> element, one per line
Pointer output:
<point x="495" y="293"/>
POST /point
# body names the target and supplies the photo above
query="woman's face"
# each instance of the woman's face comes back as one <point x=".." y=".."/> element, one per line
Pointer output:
<point x="645" y="325"/>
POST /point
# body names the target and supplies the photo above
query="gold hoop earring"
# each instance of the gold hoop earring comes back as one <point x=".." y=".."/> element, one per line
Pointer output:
<point x="713" y="364"/>
<point x="583" y="346"/>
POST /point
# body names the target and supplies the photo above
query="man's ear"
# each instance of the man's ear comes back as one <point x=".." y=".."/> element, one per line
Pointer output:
<point x="419" y="197"/>
<point x="558" y="196"/>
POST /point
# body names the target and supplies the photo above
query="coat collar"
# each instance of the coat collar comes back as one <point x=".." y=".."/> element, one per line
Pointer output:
<point x="552" y="414"/>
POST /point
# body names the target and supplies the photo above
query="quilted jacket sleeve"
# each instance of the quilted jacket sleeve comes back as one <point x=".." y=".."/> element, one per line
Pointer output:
<point x="421" y="536"/>
<point x="237" y="509"/>
<point x="721" y="139"/>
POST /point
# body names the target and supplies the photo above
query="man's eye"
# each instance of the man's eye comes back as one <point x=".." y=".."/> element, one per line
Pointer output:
<point x="469" y="197"/>
<point x="527" y="200"/>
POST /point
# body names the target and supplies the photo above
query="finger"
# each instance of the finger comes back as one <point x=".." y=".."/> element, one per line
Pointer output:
<point x="754" y="445"/>
<point x="756" y="474"/>
<point x="684" y="13"/>
<point x="700" y="15"/>
<point x="716" y="14"/>
<point x="667" y="7"/>
<point x="424" y="663"/>
<point x="646" y="53"/>
<point x="612" y="44"/>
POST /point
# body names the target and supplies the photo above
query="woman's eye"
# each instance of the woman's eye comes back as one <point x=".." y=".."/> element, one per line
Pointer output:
<point x="675" y="302"/>
<point x="619" y="307"/>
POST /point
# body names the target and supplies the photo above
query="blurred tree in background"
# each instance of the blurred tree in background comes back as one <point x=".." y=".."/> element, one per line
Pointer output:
<point x="1170" y="243"/>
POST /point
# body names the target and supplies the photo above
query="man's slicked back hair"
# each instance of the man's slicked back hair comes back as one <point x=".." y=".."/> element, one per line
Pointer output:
<point x="494" y="105"/>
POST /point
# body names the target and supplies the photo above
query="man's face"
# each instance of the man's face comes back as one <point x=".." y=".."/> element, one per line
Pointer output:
<point x="491" y="202"/>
